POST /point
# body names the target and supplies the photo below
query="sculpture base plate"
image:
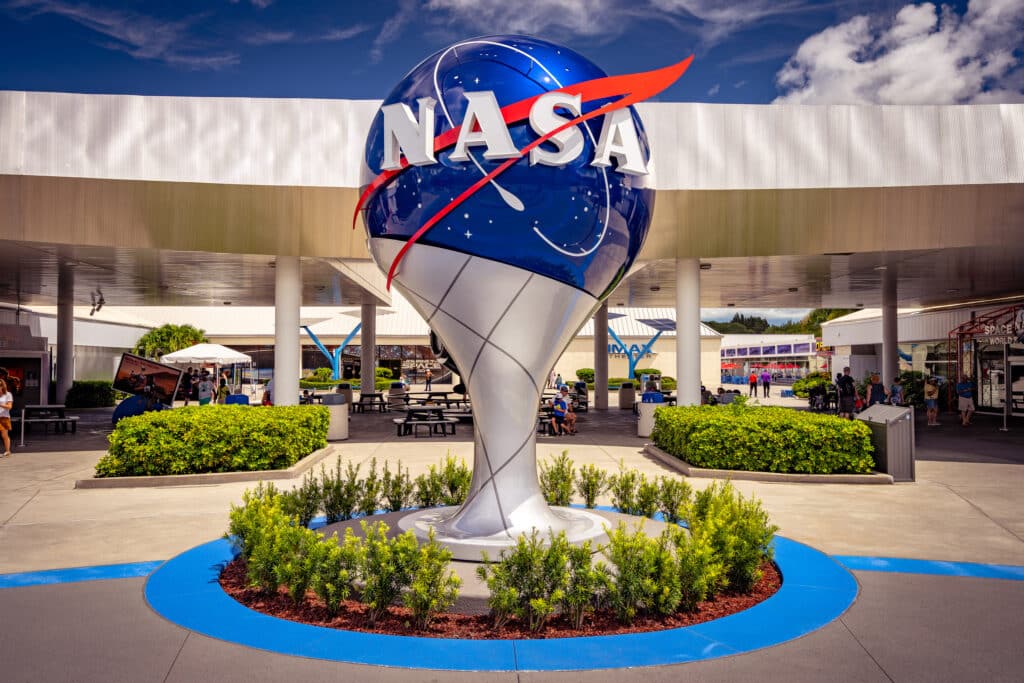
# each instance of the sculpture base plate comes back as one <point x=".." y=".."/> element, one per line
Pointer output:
<point x="579" y="526"/>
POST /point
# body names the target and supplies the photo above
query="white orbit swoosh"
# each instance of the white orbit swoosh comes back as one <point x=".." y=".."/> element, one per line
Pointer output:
<point x="505" y="194"/>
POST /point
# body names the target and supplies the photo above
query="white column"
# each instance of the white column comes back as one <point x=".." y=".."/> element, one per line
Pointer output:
<point x="287" y="358"/>
<point x="601" y="357"/>
<point x="688" y="331"/>
<point x="368" y="347"/>
<point x="890" y="345"/>
<point x="65" y="336"/>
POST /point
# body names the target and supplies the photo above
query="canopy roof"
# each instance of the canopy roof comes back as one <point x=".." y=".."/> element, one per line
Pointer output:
<point x="206" y="353"/>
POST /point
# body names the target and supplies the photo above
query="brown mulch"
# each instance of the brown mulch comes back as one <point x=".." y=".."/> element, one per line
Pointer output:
<point x="352" y="616"/>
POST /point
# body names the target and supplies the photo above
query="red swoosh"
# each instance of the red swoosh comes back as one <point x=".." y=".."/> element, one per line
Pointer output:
<point x="633" y="88"/>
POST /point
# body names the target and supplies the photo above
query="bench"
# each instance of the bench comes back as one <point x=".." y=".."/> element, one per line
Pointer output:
<point x="405" y="427"/>
<point x="63" y="424"/>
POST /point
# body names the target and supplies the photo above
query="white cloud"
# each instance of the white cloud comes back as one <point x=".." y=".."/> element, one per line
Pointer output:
<point x="713" y="90"/>
<point x="272" y="37"/>
<point x="139" y="35"/>
<point x="923" y="55"/>
<point x="708" y="21"/>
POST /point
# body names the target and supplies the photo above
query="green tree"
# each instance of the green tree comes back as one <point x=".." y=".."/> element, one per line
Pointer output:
<point x="167" y="339"/>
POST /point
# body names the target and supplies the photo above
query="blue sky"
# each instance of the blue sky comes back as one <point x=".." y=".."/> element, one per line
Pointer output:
<point x="748" y="51"/>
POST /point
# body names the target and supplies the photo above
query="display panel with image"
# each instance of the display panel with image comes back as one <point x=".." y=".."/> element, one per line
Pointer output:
<point x="140" y="376"/>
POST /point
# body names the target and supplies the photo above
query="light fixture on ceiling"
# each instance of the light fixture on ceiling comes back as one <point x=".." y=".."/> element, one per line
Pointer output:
<point x="226" y="303"/>
<point x="794" y="289"/>
<point x="730" y="305"/>
<point x="620" y="304"/>
<point x="881" y="267"/>
<point x="860" y="305"/>
<point x="655" y="288"/>
<point x="705" y="266"/>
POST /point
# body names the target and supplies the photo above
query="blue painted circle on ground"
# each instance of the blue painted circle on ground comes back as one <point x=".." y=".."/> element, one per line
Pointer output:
<point x="815" y="591"/>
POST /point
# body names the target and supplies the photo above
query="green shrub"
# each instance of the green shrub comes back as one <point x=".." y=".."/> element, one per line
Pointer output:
<point x="556" y="480"/>
<point x="429" y="488"/>
<point x="802" y="387"/>
<point x="668" y="383"/>
<point x="434" y="587"/>
<point x="529" y="580"/>
<point x="591" y="482"/>
<point x="388" y="566"/>
<point x="339" y="492"/>
<point x="645" y="576"/>
<point x="90" y="394"/>
<point x="396" y="488"/>
<point x="322" y="375"/>
<point x="318" y="385"/>
<point x="262" y="532"/>
<point x="369" y="491"/>
<point x="616" y="382"/>
<point x="737" y="528"/>
<point x="302" y="502"/>
<point x="624" y="488"/>
<point x="338" y="566"/>
<point x="586" y="375"/>
<point x="456" y="478"/>
<point x="218" y="438"/>
<point x="648" y="497"/>
<point x="673" y="495"/>
<point x="763" y="439"/>
<point x="637" y="372"/>
<point x="701" y="571"/>
<point x="247" y="521"/>
<point x="297" y="560"/>
<point x="586" y="584"/>
<point x="383" y="373"/>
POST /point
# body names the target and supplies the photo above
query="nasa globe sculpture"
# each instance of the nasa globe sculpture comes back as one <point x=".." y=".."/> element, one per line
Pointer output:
<point x="505" y="197"/>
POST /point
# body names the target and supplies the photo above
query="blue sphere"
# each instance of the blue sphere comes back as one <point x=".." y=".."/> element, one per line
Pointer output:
<point x="578" y="224"/>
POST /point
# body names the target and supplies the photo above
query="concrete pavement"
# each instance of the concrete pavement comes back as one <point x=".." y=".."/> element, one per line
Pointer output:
<point x="964" y="507"/>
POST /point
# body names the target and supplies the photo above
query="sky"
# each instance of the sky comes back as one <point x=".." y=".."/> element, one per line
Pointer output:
<point x="745" y="51"/>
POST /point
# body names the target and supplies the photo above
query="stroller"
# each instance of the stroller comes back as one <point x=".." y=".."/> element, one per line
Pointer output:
<point x="816" y="398"/>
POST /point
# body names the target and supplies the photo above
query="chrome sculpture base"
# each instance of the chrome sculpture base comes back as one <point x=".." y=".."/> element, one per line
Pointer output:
<point x="579" y="526"/>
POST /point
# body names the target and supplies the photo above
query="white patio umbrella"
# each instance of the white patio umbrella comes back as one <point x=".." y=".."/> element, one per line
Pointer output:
<point x="207" y="353"/>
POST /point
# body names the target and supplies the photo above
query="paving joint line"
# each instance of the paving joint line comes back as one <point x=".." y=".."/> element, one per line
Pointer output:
<point x="975" y="506"/>
<point x="21" y="507"/>
<point x="842" y="620"/>
<point x="176" y="655"/>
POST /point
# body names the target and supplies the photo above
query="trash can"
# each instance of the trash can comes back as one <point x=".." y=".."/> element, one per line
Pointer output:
<point x="645" y="425"/>
<point x="627" y="396"/>
<point x="337" y="429"/>
<point x="892" y="435"/>
<point x="345" y="389"/>
<point x="397" y="395"/>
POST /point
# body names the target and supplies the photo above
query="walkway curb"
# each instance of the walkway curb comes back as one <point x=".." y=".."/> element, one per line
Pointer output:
<point x="208" y="478"/>
<point x="689" y="470"/>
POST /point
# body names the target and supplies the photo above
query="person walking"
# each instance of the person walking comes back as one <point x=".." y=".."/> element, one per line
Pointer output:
<point x="428" y="377"/>
<point x="205" y="389"/>
<point x="846" y="388"/>
<point x="877" y="393"/>
<point x="965" y="400"/>
<point x="752" y="380"/>
<point x="6" y="403"/>
<point x="766" y="383"/>
<point x="931" y="401"/>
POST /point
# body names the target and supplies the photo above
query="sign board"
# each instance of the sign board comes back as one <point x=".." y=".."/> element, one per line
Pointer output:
<point x="143" y="377"/>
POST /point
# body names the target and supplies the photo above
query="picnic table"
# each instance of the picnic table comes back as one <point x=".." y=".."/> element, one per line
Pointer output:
<point x="46" y="415"/>
<point x="369" y="400"/>
<point x="446" y="397"/>
<point x="430" y="417"/>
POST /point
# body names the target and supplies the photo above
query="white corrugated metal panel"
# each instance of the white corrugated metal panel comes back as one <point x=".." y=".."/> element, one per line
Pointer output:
<point x="913" y="325"/>
<point x="318" y="143"/>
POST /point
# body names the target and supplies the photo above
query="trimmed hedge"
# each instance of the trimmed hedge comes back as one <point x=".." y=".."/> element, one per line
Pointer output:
<point x="802" y="387"/>
<point x="763" y="439"/>
<point x="218" y="438"/>
<point x="92" y="394"/>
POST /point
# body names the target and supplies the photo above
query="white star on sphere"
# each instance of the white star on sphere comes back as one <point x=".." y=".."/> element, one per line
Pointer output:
<point x="468" y="234"/>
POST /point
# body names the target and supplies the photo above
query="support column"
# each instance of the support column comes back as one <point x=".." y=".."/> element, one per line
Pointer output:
<point x="368" y="347"/>
<point x="890" y="335"/>
<point x="65" y="337"/>
<point x="688" y="331"/>
<point x="287" y="347"/>
<point x="601" y="357"/>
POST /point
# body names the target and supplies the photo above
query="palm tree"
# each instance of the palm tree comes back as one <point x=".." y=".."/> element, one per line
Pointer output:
<point x="168" y="339"/>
